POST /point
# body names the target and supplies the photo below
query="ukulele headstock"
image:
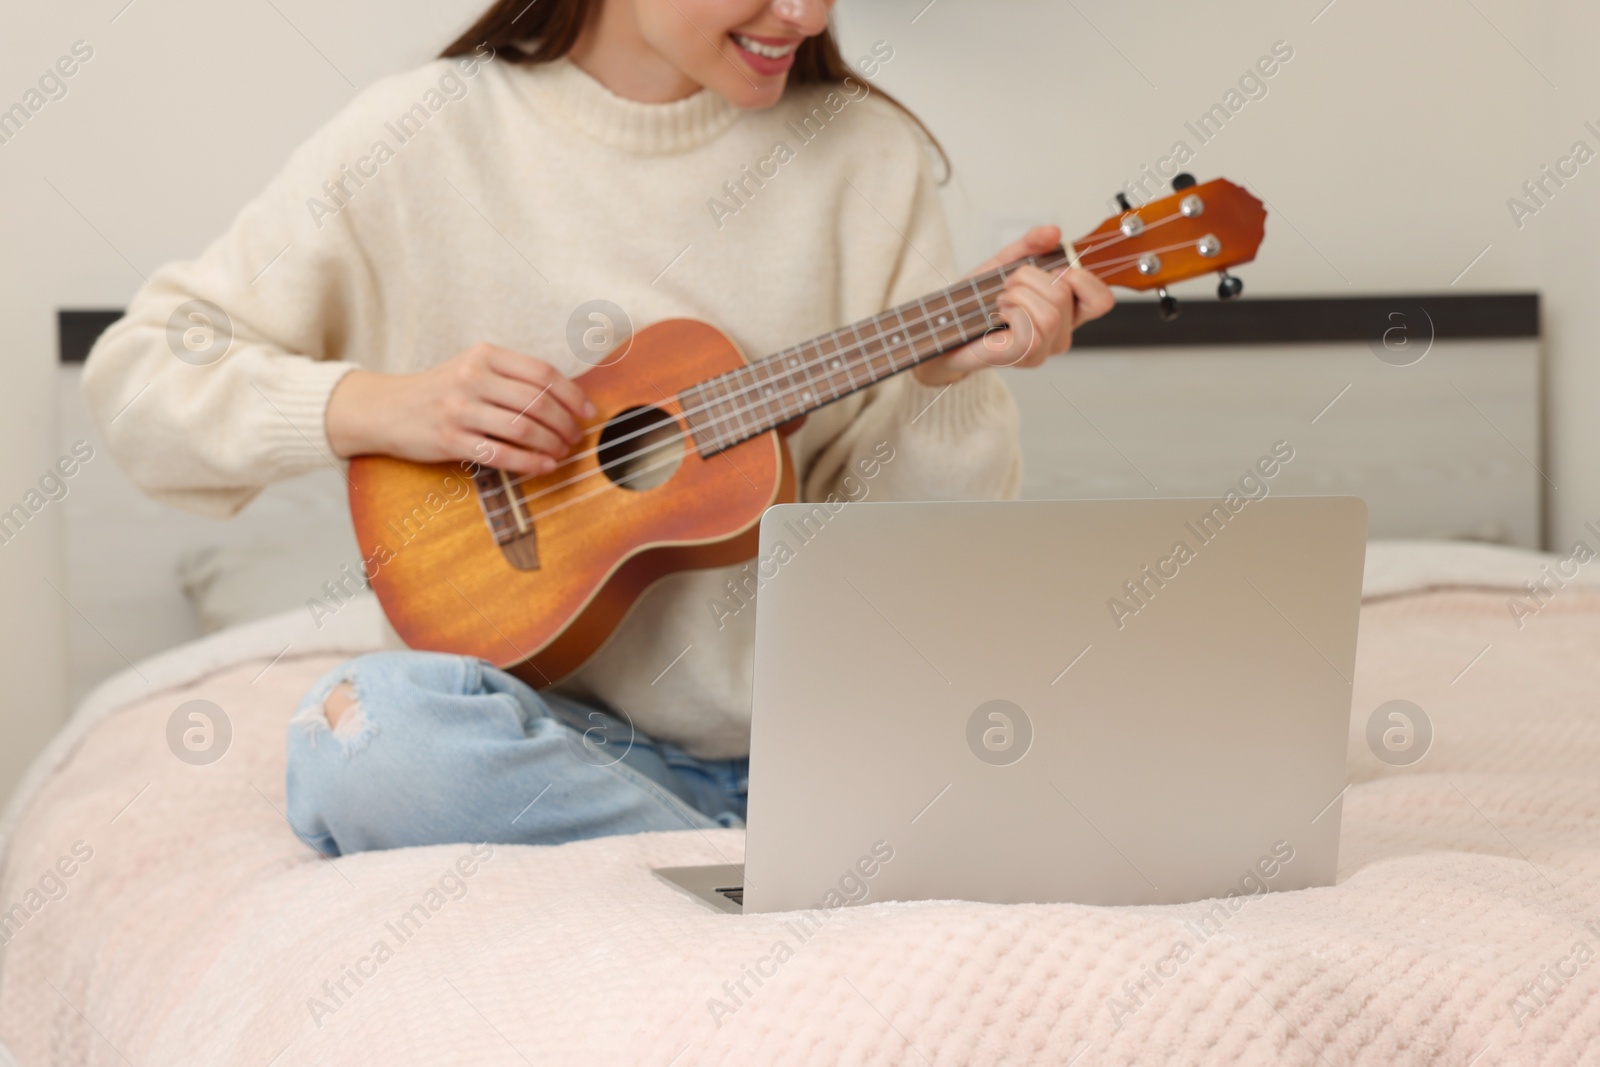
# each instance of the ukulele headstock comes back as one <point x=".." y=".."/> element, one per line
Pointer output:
<point x="1201" y="229"/>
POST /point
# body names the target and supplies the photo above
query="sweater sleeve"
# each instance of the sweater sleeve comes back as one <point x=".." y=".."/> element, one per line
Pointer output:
<point x="216" y="381"/>
<point x="918" y="442"/>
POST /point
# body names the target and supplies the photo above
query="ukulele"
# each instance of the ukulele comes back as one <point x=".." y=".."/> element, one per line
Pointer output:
<point x="675" y="470"/>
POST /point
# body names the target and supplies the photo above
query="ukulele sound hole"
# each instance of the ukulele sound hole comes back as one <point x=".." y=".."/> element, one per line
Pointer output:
<point x="640" y="448"/>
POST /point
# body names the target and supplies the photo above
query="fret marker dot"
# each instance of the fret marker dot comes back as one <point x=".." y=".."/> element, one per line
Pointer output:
<point x="806" y="395"/>
<point x="835" y="364"/>
<point x="943" y="319"/>
<point x="793" y="362"/>
<point x="895" y="339"/>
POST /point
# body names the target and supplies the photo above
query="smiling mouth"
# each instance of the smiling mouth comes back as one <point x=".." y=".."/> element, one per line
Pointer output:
<point x="765" y="51"/>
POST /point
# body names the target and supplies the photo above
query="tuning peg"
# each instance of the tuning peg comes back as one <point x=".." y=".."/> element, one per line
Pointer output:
<point x="1229" y="287"/>
<point x="1182" y="181"/>
<point x="1167" y="307"/>
<point x="1122" y="202"/>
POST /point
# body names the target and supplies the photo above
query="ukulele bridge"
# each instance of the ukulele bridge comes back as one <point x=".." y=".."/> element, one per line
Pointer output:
<point x="507" y="515"/>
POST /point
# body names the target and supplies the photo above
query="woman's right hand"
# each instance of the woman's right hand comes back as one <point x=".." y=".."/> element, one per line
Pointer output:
<point x="527" y="412"/>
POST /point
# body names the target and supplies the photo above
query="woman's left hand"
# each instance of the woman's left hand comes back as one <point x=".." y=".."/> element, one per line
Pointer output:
<point x="1040" y="309"/>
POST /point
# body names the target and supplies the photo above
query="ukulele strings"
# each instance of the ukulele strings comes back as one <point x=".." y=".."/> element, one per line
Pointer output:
<point x="810" y="364"/>
<point x="1116" y="238"/>
<point x="1080" y="252"/>
<point x="601" y="468"/>
<point x="734" y="413"/>
<point x="737" y="412"/>
<point x="997" y="274"/>
<point x="1101" y="269"/>
<point x="632" y="475"/>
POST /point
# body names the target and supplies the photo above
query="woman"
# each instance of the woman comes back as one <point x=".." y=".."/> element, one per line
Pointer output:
<point x="405" y="286"/>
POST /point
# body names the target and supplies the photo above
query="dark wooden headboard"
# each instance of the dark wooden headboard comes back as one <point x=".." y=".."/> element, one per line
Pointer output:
<point x="1135" y="324"/>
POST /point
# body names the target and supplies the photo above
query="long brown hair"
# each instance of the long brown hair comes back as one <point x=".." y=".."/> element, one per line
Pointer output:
<point x="542" y="31"/>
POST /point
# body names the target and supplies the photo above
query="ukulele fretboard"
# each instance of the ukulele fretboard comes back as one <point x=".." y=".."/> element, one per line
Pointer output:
<point x="752" y="400"/>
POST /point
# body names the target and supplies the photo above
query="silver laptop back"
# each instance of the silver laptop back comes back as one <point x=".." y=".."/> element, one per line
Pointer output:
<point x="1105" y="702"/>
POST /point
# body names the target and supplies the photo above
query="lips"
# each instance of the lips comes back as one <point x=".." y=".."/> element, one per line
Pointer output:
<point x="765" y="55"/>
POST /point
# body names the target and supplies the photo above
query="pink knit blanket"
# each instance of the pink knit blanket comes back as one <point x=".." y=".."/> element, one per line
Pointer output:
<point x="169" y="917"/>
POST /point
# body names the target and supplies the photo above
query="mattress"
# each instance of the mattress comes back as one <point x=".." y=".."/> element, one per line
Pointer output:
<point x="168" y="916"/>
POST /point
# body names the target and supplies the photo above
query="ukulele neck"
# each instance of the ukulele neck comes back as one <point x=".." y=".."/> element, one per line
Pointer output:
<point x="755" y="399"/>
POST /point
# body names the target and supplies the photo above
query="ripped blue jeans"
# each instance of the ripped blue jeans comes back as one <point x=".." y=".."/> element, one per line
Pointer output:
<point x="440" y="749"/>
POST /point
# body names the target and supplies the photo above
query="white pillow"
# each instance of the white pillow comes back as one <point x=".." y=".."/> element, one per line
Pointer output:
<point x="227" y="584"/>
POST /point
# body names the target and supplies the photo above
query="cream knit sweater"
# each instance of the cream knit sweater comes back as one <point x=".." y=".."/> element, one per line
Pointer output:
<point x="474" y="200"/>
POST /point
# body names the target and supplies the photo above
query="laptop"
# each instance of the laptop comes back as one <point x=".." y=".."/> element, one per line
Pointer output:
<point x="1108" y="702"/>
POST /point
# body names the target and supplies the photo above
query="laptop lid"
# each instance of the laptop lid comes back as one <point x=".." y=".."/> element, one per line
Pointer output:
<point x="1104" y="702"/>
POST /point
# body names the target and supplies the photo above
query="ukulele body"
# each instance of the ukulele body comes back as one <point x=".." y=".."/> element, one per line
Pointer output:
<point x="446" y="583"/>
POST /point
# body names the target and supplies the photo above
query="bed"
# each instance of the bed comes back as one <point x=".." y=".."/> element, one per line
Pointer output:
<point x="193" y="928"/>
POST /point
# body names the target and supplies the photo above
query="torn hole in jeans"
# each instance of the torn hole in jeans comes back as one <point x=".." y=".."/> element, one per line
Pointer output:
<point x="343" y="710"/>
<point x="342" y="714"/>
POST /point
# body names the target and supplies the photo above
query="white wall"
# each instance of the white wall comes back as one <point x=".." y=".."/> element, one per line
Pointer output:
<point x="1569" y="265"/>
<point x="183" y="113"/>
<point x="1386" y="147"/>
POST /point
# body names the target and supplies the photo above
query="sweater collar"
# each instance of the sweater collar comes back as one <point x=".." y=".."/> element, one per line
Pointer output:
<point x="646" y="129"/>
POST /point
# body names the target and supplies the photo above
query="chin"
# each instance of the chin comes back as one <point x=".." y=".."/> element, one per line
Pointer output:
<point x="741" y="94"/>
<point x="755" y="101"/>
